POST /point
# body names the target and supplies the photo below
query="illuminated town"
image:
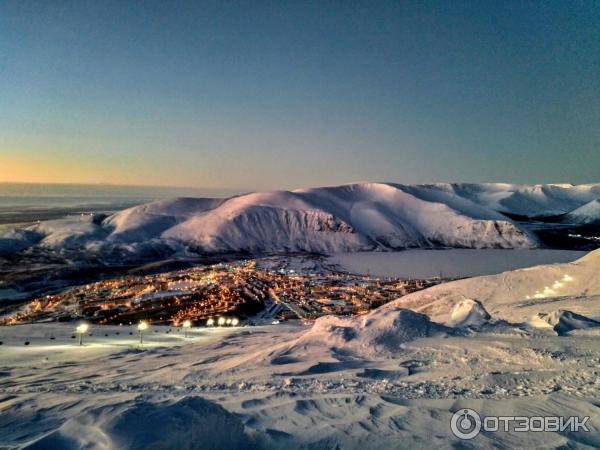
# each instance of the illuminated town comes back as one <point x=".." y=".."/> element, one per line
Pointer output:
<point x="251" y="291"/>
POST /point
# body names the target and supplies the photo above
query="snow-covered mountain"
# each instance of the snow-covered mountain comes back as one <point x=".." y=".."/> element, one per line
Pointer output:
<point x="586" y="214"/>
<point x="352" y="217"/>
<point x="527" y="200"/>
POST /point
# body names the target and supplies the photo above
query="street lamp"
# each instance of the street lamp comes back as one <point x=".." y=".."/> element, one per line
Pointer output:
<point x="228" y="321"/>
<point x="81" y="329"/>
<point x="235" y="321"/>
<point x="143" y="325"/>
<point x="210" y="322"/>
<point x="221" y="321"/>
<point x="186" y="324"/>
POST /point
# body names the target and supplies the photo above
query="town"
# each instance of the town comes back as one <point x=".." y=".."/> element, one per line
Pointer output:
<point x="252" y="291"/>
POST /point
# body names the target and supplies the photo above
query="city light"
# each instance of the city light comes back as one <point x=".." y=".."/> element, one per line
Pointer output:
<point x="186" y="324"/>
<point x="551" y="291"/>
<point x="142" y="326"/>
<point x="205" y="294"/>
<point x="81" y="330"/>
<point x="221" y="321"/>
<point x="234" y="322"/>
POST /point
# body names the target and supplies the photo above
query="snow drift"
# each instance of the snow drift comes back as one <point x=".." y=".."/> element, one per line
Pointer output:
<point x="190" y="423"/>
<point x="468" y="313"/>
<point x="382" y="330"/>
<point x="563" y="321"/>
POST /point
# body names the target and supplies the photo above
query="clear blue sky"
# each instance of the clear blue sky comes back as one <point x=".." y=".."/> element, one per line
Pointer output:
<point x="266" y="95"/>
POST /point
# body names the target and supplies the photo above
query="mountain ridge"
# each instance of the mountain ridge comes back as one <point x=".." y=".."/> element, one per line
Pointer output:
<point x="351" y="217"/>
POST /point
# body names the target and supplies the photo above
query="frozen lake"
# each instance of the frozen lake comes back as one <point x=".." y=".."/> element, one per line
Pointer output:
<point x="451" y="263"/>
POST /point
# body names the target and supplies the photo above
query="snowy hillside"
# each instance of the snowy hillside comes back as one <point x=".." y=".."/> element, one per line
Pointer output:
<point x="518" y="295"/>
<point x="586" y="214"/>
<point x="357" y="217"/>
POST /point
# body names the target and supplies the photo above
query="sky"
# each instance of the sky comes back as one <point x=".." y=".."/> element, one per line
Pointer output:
<point x="286" y="94"/>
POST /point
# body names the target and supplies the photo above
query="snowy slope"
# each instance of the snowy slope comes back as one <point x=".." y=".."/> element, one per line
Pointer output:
<point x="356" y="217"/>
<point x="70" y="232"/>
<point x="517" y="295"/>
<point x="150" y="220"/>
<point x="394" y="218"/>
<point x="586" y="214"/>
<point x="270" y="221"/>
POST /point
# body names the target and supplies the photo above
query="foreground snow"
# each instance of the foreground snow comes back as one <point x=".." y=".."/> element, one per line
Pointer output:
<point x="388" y="379"/>
<point x="230" y="391"/>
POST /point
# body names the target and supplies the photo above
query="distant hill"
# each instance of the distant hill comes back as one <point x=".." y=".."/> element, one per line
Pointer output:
<point x="355" y="217"/>
<point x="586" y="214"/>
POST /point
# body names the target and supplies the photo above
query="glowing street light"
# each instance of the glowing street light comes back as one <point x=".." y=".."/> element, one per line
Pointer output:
<point x="221" y="321"/>
<point x="81" y="330"/>
<point x="235" y="322"/>
<point x="210" y="322"/>
<point x="143" y="325"/>
<point x="186" y="324"/>
<point x="228" y="321"/>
